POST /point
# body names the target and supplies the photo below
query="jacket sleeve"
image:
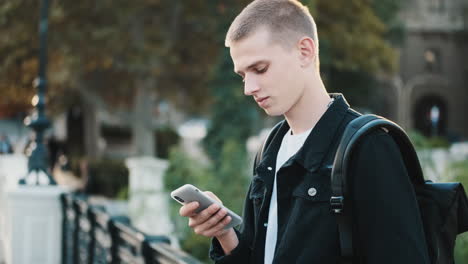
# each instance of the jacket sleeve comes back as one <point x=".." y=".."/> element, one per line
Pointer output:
<point x="388" y="226"/>
<point x="245" y="234"/>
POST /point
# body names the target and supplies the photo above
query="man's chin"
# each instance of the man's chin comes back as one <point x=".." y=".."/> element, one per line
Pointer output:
<point x="271" y="112"/>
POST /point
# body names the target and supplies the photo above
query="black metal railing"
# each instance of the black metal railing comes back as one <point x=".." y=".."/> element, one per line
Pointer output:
<point x="92" y="236"/>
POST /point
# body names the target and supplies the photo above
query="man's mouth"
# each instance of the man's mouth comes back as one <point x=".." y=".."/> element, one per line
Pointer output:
<point x="262" y="100"/>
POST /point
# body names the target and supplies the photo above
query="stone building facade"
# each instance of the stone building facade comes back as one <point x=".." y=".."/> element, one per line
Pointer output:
<point x="433" y="69"/>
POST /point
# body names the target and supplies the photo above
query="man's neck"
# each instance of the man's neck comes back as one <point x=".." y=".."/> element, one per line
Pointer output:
<point x="305" y="114"/>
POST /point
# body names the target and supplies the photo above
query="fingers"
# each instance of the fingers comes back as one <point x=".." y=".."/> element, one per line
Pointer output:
<point x="221" y="228"/>
<point x="211" y="221"/>
<point x="189" y="209"/>
<point x="214" y="230"/>
<point x="204" y="215"/>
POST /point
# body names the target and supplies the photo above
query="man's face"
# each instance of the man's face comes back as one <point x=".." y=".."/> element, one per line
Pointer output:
<point x="272" y="74"/>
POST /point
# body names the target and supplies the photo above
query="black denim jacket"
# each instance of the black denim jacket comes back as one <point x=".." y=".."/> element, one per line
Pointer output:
<point x="387" y="225"/>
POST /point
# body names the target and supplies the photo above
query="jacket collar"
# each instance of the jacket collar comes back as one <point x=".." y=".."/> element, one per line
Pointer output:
<point x="319" y="141"/>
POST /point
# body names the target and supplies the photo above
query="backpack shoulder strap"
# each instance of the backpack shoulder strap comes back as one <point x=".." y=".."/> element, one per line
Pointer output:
<point x="353" y="134"/>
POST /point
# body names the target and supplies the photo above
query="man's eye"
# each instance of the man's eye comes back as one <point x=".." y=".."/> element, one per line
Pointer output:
<point x="262" y="70"/>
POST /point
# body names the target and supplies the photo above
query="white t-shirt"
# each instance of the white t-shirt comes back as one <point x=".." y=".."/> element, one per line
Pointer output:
<point x="289" y="146"/>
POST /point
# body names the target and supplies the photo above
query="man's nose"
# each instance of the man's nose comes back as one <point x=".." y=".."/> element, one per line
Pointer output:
<point x="250" y="85"/>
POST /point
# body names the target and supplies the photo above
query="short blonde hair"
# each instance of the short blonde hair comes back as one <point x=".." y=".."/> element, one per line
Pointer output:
<point x="287" y="21"/>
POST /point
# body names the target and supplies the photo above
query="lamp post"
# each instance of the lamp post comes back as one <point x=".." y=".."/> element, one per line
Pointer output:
<point x="38" y="121"/>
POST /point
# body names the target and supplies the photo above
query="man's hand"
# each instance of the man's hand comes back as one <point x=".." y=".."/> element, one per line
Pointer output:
<point x="211" y="222"/>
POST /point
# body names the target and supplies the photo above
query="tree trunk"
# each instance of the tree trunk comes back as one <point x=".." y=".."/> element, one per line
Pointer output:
<point x="91" y="131"/>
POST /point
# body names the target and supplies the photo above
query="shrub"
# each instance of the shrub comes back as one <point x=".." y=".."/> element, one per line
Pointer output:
<point x="166" y="137"/>
<point x="106" y="177"/>
<point x="183" y="169"/>
<point x="228" y="182"/>
<point x="422" y="142"/>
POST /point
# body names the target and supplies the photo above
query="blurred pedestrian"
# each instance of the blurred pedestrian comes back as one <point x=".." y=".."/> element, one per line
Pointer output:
<point x="5" y="145"/>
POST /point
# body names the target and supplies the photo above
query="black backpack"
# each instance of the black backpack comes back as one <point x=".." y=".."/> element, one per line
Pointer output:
<point x="443" y="206"/>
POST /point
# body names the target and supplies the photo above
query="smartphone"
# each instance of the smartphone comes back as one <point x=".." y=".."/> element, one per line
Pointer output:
<point x="189" y="193"/>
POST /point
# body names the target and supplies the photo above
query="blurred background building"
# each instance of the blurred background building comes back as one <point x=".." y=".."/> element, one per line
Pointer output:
<point x="433" y="68"/>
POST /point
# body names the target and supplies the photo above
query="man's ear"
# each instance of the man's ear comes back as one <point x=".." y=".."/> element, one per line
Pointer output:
<point x="307" y="51"/>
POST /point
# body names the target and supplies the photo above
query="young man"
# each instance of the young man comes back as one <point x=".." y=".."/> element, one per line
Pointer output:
<point x="287" y="219"/>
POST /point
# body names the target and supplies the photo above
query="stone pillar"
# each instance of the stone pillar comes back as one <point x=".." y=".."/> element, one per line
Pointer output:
<point x="148" y="202"/>
<point x="33" y="222"/>
<point x="12" y="168"/>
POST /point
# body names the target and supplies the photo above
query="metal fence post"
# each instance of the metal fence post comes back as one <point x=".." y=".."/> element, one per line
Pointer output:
<point x="91" y="235"/>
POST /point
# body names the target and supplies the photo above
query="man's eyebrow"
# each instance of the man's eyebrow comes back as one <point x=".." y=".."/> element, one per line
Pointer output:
<point x="253" y="65"/>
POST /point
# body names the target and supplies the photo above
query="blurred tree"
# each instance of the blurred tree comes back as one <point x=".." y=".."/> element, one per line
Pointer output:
<point x="118" y="55"/>
<point x="357" y="44"/>
<point x="352" y="35"/>
<point x="125" y="56"/>
<point x="233" y="115"/>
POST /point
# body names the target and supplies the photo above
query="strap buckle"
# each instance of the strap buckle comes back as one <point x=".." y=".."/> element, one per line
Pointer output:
<point x="337" y="204"/>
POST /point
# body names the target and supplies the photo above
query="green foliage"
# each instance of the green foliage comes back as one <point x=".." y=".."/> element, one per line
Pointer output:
<point x="231" y="177"/>
<point x="228" y="182"/>
<point x="461" y="249"/>
<point x="460" y="171"/>
<point x="107" y="177"/>
<point x="234" y="116"/>
<point x="439" y="142"/>
<point x="123" y="193"/>
<point x="352" y="36"/>
<point x="182" y="170"/>
<point x="387" y="11"/>
<point x="166" y="137"/>
<point x="422" y="142"/>
<point x="89" y="44"/>
<point x="357" y="40"/>
<point x="358" y="86"/>
<point x="198" y="246"/>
